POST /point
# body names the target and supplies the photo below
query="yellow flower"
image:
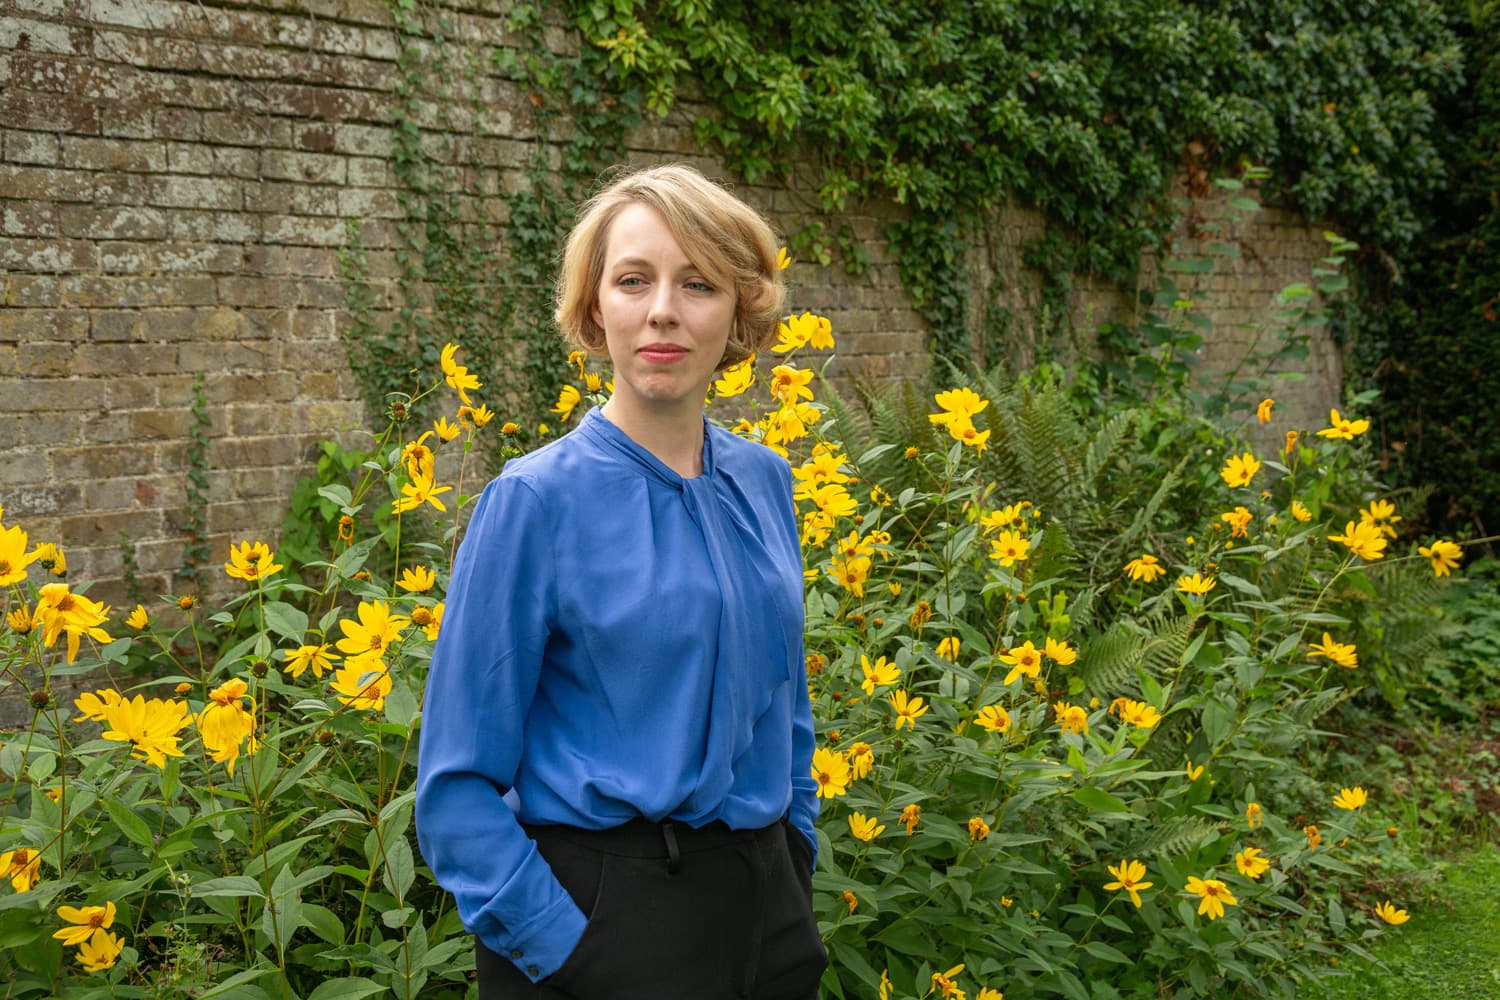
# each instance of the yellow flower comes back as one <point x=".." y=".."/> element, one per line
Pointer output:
<point x="1139" y="714"/>
<point x="420" y="490"/>
<point x="138" y="618"/>
<point x="851" y="573"/>
<point x="885" y="984"/>
<point x="23" y="867"/>
<point x="1240" y="469"/>
<point x="320" y="658"/>
<point x="93" y="706"/>
<point x="445" y="429"/>
<point x="1002" y="518"/>
<point x="1290" y="444"/>
<point x="362" y="683"/>
<point x="908" y="709"/>
<point x="417" y="457"/>
<point x="430" y="620"/>
<point x="1363" y="539"/>
<point x="1196" y="584"/>
<point x="100" y="951"/>
<point x="1263" y="411"/>
<point x="944" y="981"/>
<point x="830" y="769"/>
<point x="1194" y="772"/>
<point x="807" y="330"/>
<point x="1214" y="893"/>
<point x="1341" y="427"/>
<point x="224" y="724"/>
<point x="1059" y="652"/>
<point x="457" y="376"/>
<point x="948" y="648"/>
<point x="579" y="359"/>
<point x="882" y="673"/>
<point x="1300" y="511"/>
<point x="1387" y="912"/>
<point x="910" y="816"/>
<point x="978" y="828"/>
<point x="1239" y="522"/>
<point x="417" y="579"/>
<point x="1009" y="548"/>
<point x="993" y="718"/>
<point x="13" y="555"/>
<point x="861" y="759"/>
<point x="1351" y="798"/>
<point x="985" y="993"/>
<point x="1342" y="653"/>
<point x="567" y="398"/>
<point x="864" y="827"/>
<point x="86" y="921"/>
<point x="20" y="620"/>
<point x="1025" y="659"/>
<point x="962" y="403"/>
<point x="1382" y="515"/>
<point x="736" y="378"/>
<point x="479" y="415"/>
<point x="1253" y="816"/>
<point x="510" y="428"/>
<point x="851" y="900"/>
<point x="374" y="632"/>
<point x="58" y="610"/>
<point x="1128" y="877"/>
<point x="251" y="561"/>
<point x="1250" y="863"/>
<point x="1445" y="555"/>
<point x="1145" y="569"/>
<point x="783" y="259"/>
<point x="790" y="384"/>
<point x="921" y="614"/>
<point x="1072" y="718"/>
<point x="150" y="727"/>
<point x="1314" y="837"/>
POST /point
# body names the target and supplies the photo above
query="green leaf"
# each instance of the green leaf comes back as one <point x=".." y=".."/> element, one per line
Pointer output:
<point x="399" y="871"/>
<point x="130" y="824"/>
<point x="1105" y="953"/>
<point x="348" y="988"/>
<point x="1097" y="800"/>
<point x="285" y="620"/>
<point x="229" y="885"/>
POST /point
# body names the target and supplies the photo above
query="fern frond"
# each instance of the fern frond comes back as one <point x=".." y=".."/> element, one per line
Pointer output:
<point x="1175" y="835"/>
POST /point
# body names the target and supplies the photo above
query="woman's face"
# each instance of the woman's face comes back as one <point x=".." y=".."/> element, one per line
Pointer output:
<point x="665" y="323"/>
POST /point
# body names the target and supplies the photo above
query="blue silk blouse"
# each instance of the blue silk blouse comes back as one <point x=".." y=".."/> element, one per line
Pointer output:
<point x="618" y="642"/>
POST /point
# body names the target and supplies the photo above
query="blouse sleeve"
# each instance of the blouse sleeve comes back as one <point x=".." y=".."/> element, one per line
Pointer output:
<point x="482" y="681"/>
<point x="804" y="808"/>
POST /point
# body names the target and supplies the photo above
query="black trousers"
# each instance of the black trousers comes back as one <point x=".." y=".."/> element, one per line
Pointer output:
<point x="677" y="914"/>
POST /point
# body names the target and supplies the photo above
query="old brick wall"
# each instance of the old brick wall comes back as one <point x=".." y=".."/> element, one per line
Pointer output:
<point x="174" y="183"/>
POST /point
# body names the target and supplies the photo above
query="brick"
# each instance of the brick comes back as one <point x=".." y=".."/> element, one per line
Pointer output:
<point x="157" y="424"/>
<point x="37" y="500"/>
<point x="261" y="386"/>
<point x="266" y="324"/>
<point x="281" y="164"/>
<point x="368" y="203"/>
<point x="303" y="230"/>
<point x="30" y="291"/>
<point x="237" y="128"/>
<point x="44" y="184"/>
<point x="295" y="199"/>
<point x="196" y="192"/>
<point x="107" y="325"/>
<point x="366" y="172"/>
<point x="362" y="140"/>
<point x="110" y="359"/>
<point x="84" y="152"/>
<point x="95" y="290"/>
<point x="129" y="392"/>
<point x="174" y="258"/>
<point x="129" y="222"/>
<point x="46" y="255"/>
<point x="178" y="123"/>
<point x="214" y="227"/>
<point x="100" y="462"/>
<point x="121" y="189"/>
<point x="226" y="356"/>
<point x="51" y="429"/>
<point x="31" y="147"/>
<point x="248" y="419"/>
<point x="46" y="360"/>
<point x="189" y="158"/>
<point x="104" y="528"/>
<point x="103" y="426"/>
<point x="29" y="109"/>
<point x="28" y="218"/>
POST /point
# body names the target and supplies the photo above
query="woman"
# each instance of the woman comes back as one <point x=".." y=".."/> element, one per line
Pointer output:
<point x="614" y="779"/>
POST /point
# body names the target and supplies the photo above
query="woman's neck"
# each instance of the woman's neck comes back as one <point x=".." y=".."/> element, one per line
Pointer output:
<point x="675" y="438"/>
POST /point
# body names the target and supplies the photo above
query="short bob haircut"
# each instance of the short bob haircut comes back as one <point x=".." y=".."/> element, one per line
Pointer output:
<point x="729" y="240"/>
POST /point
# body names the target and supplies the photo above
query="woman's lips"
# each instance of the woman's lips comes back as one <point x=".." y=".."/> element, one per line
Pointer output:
<point x="662" y="353"/>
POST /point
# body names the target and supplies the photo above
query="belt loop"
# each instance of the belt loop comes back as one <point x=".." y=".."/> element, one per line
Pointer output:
<point x="674" y="857"/>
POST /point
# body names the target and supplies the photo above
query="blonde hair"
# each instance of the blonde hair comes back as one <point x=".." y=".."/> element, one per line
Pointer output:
<point x="729" y="240"/>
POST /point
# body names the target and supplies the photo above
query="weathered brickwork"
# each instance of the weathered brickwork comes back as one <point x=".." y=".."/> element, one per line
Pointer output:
<point x="174" y="183"/>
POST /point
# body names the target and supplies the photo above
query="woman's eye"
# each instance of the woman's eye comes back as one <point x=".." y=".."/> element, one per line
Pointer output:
<point x="700" y="286"/>
<point x="630" y="281"/>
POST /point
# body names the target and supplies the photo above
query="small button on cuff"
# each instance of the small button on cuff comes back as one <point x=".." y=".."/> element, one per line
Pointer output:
<point x="533" y="971"/>
<point x="516" y="953"/>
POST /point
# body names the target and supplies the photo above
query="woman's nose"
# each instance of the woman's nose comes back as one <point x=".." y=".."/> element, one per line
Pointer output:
<point x="663" y="306"/>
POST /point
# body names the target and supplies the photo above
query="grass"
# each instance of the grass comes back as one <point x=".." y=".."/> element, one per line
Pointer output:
<point x="1449" y="950"/>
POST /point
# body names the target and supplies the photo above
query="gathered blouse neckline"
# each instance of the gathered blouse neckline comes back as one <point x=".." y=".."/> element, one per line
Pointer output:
<point x="599" y="428"/>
